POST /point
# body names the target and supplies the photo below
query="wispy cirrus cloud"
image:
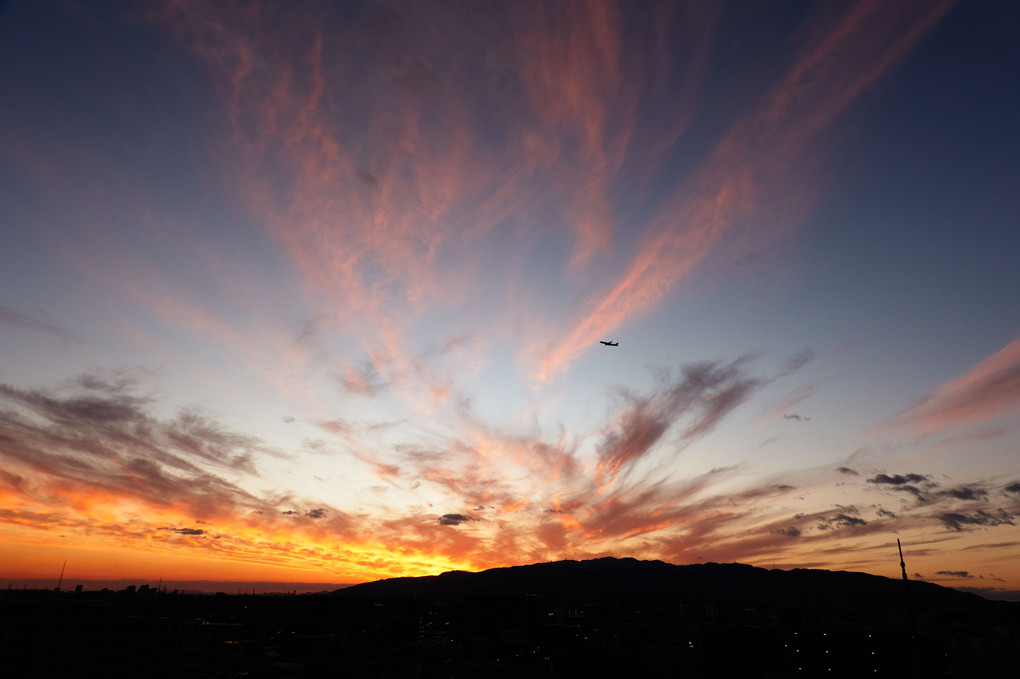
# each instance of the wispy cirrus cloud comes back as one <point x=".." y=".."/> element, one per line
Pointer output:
<point x="465" y="127"/>
<point x="699" y="395"/>
<point x="93" y="458"/>
<point x="961" y="521"/>
<point x="734" y="184"/>
<point x="104" y="439"/>
<point x="98" y="460"/>
<point x="989" y="389"/>
<point x="17" y="319"/>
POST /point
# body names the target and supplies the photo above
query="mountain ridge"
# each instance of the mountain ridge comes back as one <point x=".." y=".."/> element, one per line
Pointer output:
<point x="628" y="578"/>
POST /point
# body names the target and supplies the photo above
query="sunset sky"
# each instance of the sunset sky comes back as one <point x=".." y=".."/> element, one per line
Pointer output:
<point x="313" y="291"/>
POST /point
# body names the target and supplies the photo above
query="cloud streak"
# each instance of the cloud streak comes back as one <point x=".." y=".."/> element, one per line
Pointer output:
<point x="701" y="394"/>
<point x="732" y="186"/>
<point x="16" y="319"/>
<point x="989" y="389"/>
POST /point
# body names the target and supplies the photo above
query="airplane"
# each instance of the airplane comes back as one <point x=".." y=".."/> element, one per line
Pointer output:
<point x="609" y="344"/>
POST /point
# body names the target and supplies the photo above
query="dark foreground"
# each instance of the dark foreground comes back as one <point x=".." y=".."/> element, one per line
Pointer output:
<point x="601" y="618"/>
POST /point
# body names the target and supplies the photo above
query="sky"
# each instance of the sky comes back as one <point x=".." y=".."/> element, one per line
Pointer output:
<point x="315" y="292"/>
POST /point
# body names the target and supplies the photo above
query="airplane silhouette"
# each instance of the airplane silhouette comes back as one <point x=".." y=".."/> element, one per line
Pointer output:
<point x="609" y="344"/>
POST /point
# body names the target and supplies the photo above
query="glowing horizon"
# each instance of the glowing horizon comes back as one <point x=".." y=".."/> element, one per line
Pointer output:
<point x="312" y="293"/>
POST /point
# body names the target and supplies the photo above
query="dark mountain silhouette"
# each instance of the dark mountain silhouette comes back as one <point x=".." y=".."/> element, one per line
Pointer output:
<point x="604" y="617"/>
<point x="611" y="578"/>
<point x="630" y="618"/>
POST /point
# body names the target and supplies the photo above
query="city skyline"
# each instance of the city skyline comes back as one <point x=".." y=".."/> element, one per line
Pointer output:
<point x="313" y="292"/>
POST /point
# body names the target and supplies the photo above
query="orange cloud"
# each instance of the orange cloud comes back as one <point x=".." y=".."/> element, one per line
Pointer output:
<point x="96" y="471"/>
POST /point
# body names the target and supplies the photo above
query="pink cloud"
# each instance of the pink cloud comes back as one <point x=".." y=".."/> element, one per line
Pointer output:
<point x="989" y="389"/>
<point x="743" y="177"/>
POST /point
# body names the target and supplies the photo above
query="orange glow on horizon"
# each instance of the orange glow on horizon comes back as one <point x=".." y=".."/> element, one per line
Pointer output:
<point x="102" y="526"/>
<point x="253" y="547"/>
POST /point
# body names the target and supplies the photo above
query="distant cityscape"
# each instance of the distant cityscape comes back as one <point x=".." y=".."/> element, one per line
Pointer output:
<point x="606" y="617"/>
<point x="180" y="586"/>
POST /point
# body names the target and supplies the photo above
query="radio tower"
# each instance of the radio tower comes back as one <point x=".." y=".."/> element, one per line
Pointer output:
<point x="61" y="580"/>
<point x="906" y="587"/>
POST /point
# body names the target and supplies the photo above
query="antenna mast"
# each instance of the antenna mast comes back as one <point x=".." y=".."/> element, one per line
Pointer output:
<point x="61" y="580"/>
<point x="906" y="587"/>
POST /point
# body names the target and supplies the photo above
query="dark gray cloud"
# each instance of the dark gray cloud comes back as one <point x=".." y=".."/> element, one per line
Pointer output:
<point x="189" y="531"/>
<point x="454" y="519"/>
<point x="846" y="517"/>
<point x="917" y="485"/>
<point x="957" y="574"/>
<point x="898" y="479"/>
<point x="847" y="471"/>
<point x="1013" y="488"/>
<point x="885" y="513"/>
<point x="317" y="513"/>
<point x="841" y="521"/>
<point x="960" y="521"/>
<point x="965" y="493"/>
<point x="790" y="532"/>
<point x="795" y="416"/>
<point x="797" y="361"/>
